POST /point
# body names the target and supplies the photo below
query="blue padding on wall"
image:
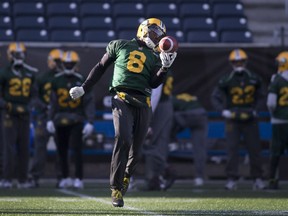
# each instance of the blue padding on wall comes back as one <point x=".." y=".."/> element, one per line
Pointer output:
<point x="105" y="127"/>
<point x="265" y="130"/>
<point x="216" y="130"/>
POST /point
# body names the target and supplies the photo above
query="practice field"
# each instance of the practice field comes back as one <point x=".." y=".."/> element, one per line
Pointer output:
<point x="181" y="199"/>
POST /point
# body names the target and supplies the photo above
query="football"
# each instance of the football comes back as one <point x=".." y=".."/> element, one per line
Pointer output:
<point x="168" y="44"/>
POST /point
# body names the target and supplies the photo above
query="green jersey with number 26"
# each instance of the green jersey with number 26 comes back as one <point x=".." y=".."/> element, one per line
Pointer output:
<point x="279" y="86"/>
<point x="133" y="67"/>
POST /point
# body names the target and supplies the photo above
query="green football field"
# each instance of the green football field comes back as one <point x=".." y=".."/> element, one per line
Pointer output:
<point x="181" y="199"/>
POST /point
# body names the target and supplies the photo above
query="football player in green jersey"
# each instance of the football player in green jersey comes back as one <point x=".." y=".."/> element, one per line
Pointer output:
<point x="278" y="106"/>
<point x="41" y="137"/>
<point x="17" y="90"/>
<point x="189" y="113"/>
<point x="66" y="118"/>
<point x="158" y="174"/>
<point x="1" y="146"/>
<point x="237" y="96"/>
<point x="137" y="69"/>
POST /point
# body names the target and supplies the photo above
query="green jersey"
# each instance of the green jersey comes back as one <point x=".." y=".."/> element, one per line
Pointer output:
<point x="184" y="101"/>
<point x="61" y="84"/>
<point x="279" y="86"/>
<point x="240" y="89"/>
<point x="133" y="66"/>
<point x="43" y="82"/>
<point x="167" y="87"/>
<point x="16" y="87"/>
<point x="63" y="109"/>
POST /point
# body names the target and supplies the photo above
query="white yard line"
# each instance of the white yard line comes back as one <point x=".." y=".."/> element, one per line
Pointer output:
<point x="10" y="200"/>
<point x="84" y="196"/>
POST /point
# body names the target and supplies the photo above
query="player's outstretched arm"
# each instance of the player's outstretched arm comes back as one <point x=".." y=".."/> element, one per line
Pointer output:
<point x="94" y="75"/>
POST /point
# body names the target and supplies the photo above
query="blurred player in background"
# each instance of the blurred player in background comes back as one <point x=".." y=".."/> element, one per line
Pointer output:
<point x="189" y="113"/>
<point x="278" y="106"/>
<point x="1" y="143"/>
<point x="236" y="96"/>
<point x="66" y="118"/>
<point x="41" y="137"/>
<point x="17" y="90"/>
<point x="137" y="69"/>
<point x="158" y="174"/>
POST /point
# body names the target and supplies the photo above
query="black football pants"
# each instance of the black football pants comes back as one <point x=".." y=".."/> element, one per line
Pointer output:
<point x="131" y="125"/>
<point x="16" y="137"/>
<point x="70" y="138"/>
<point x="249" y="132"/>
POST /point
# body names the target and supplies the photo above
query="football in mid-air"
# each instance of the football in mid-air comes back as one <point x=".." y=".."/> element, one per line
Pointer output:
<point x="168" y="44"/>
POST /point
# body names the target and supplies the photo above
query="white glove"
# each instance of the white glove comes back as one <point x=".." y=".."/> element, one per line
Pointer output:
<point x="76" y="92"/>
<point x="50" y="127"/>
<point x="167" y="59"/>
<point x="88" y="129"/>
<point x="227" y="114"/>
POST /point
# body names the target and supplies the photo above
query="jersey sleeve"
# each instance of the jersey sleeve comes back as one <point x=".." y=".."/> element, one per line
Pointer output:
<point x="273" y="85"/>
<point x="113" y="47"/>
<point x="110" y="49"/>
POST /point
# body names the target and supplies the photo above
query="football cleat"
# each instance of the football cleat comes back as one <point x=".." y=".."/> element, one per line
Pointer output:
<point x="126" y="182"/>
<point x="24" y="185"/>
<point x="6" y="184"/>
<point x="117" y="198"/>
<point x="78" y="184"/>
<point x="198" y="182"/>
<point x="259" y="184"/>
<point x="34" y="182"/>
<point x="65" y="183"/>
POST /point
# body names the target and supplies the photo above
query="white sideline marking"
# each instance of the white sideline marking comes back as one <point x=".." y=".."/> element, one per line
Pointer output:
<point x="106" y="202"/>
<point x="10" y="200"/>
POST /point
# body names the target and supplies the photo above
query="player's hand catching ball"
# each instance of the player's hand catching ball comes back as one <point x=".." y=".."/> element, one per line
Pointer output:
<point x="168" y="46"/>
<point x="167" y="59"/>
<point x="76" y="92"/>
